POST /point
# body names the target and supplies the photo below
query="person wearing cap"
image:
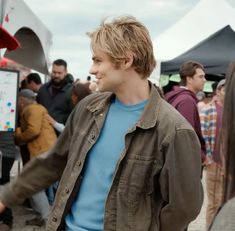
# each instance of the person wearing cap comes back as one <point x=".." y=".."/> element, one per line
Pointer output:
<point x="211" y="122"/>
<point x="39" y="136"/>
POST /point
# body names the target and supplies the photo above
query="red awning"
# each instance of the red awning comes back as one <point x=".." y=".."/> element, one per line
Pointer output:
<point x="7" y="40"/>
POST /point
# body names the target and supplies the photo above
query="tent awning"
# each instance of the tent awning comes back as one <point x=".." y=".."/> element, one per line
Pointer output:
<point x="215" y="53"/>
<point x="34" y="37"/>
<point x="7" y="40"/>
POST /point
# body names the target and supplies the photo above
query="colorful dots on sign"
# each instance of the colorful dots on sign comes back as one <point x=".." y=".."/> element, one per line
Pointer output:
<point x="8" y="127"/>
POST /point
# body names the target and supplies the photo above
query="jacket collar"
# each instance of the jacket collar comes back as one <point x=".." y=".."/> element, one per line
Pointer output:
<point x="65" y="87"/>
<point x="151" y="111"/>
<point x="149" y="116"/>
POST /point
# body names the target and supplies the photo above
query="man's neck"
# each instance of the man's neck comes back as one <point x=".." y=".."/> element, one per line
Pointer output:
<point x="134" y="92"/>
<point x="191" y="89"/>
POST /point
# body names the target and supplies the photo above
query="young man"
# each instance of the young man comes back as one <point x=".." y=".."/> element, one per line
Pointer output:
<point x="211" y="122"/>
<point x="184" y="99"/>
<point x="34" y="82"/>
<point x="124" y="153"/>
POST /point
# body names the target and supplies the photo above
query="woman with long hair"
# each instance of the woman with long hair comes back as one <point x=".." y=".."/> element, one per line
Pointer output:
<point x="225" y="218"/>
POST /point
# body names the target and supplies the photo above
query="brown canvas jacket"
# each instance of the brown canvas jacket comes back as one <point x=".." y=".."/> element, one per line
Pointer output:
<point x="156" y="185"/>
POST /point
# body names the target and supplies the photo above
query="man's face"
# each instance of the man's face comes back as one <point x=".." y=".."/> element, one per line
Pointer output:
<point x="58" y="74"/>
<point x="109" y="77"/>
<point x="197" y="81"/>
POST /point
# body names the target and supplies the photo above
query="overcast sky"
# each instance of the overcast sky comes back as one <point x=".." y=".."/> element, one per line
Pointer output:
<point x="70" y="20"/>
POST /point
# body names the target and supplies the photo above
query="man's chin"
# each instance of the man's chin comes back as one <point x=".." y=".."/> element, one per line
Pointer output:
<point x="100" y="89"/>
<point x="56" y="82"/>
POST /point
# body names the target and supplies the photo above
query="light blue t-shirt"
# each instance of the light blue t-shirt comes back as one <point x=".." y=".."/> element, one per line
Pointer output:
<point x="87" y="212"/>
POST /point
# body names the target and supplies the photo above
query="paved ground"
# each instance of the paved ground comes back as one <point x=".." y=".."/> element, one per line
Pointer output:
<point x="21" y="214"/>
<point x="200" y="223"/>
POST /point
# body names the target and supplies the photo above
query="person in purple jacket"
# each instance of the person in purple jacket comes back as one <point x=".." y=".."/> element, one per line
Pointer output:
<point x="184" y="99"/>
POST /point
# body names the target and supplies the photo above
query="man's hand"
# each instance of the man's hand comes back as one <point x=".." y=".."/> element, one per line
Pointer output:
<point x="2" y="207"/>
<point x="208" y="160"/>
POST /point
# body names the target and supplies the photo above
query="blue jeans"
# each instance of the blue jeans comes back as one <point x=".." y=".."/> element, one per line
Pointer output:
<point x="51" y="191"/>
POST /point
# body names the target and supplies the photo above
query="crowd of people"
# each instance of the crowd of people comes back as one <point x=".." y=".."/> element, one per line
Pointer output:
<point x="114" y="154"/>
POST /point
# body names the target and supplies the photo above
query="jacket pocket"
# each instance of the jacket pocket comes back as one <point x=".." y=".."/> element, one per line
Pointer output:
<point x="135" y="180"/>
<point x="135" y="192"/>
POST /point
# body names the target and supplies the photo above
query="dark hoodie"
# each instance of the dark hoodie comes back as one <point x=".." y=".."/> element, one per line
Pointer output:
<point x="185" y="101"/>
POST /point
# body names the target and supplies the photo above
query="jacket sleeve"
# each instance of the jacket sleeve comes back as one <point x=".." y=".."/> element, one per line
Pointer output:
<point x="180" y="181"/>
<point x="59" y="127"/>
<point x="33" y="124"/>
<point x="40" y="172"/>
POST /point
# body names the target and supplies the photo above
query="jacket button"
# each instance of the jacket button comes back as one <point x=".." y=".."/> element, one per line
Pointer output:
<point x="66" y="190"/>
<point x="54" y="219"/>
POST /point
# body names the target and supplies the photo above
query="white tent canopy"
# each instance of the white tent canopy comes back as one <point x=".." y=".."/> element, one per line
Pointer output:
<point x="35" y="39"/>
<point x="207" y="17"/>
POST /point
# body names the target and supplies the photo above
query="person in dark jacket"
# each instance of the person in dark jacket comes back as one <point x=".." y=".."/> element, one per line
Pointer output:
<point x="184" y="99"/>
<point x="55" y="95"/>
<point x="79" y="91"/>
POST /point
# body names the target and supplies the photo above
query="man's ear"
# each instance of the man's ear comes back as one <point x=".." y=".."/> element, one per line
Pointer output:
<point x="188" y="80"/>
<point x="127" y="61"/>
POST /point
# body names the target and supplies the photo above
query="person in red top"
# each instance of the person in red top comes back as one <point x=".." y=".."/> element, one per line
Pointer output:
<point x="184" y="99"/>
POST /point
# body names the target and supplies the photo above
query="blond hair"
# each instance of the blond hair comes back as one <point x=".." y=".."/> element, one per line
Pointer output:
<point x="122" y="36"/>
